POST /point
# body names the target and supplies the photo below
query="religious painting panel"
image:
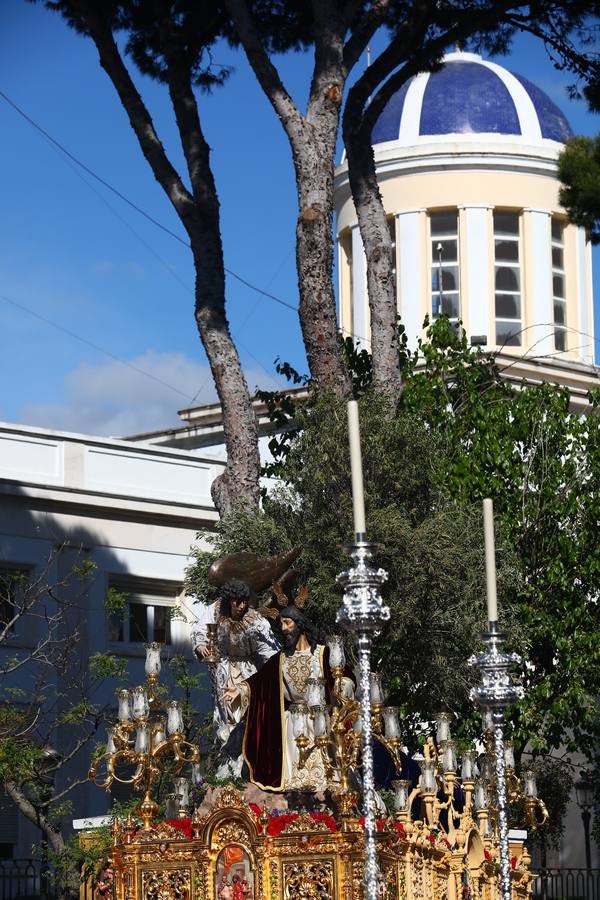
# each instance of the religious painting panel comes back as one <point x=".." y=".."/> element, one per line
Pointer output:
<point x="234" y="875"/>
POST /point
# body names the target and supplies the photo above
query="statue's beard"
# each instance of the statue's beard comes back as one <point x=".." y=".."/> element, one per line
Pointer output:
<point x="290" y="639"/>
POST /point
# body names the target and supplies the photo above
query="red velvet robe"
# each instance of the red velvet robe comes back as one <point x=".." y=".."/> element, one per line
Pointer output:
<point x="265" y="721"/>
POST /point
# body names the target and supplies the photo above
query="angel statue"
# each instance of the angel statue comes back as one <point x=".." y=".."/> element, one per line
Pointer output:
<point x="235" y="640"/>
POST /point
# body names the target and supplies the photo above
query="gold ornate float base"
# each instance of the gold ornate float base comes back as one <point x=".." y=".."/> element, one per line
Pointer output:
<point x="236" y="853"/>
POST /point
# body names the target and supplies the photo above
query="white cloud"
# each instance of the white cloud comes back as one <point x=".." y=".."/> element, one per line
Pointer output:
<point x="115" y="399"/>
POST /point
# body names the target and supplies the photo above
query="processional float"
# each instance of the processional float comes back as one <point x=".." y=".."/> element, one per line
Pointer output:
<point x="447" y="839"/>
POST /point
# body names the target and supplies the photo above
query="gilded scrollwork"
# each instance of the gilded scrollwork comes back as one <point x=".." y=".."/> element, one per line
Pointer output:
<point x="274" y="881"/>
<point x="166" y="884"/>
<point x="304" y="846"/>
<point x="309" y="880"/>
<point x="232" y="833"/>
<point x="161" y="854"/>
<point x="229" y="797"/>
<point x="305" y="823"/>
<point x="160" y="833"/>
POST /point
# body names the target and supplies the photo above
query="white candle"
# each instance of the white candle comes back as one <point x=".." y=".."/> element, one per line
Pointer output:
<point x="358" y="500"/>
<point x="490" y="559"/>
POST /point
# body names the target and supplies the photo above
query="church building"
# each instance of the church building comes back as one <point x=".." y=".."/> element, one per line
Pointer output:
<point x="466" y="160"/>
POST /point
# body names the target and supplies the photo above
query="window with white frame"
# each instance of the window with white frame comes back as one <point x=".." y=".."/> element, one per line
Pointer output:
<point x="146" y="613"/>
<point x="507" y="278"/>
<point x="445" y="286"/>
<point x="559" y="299"/>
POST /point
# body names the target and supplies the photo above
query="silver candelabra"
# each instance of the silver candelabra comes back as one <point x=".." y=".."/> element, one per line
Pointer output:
<point x="364" y="614"/>
<point x="498" y="690"/>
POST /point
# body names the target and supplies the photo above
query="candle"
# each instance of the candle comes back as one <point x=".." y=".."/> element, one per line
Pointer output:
<point x="358" y="500"/>
<point x="490" y="560"/>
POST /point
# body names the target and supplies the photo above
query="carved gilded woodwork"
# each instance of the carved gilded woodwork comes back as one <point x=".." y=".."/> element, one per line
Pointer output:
<point x="302" y="859"/>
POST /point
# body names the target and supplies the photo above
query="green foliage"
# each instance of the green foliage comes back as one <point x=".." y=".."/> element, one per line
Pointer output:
<point x="459" y="433"/>
<point x="579" y="173"/>
<point x="19" y="759"/>
<point x="107" y="665"/>
<point x="115" y="601"/>
<point x="555" y="785"/>
<point x="84" y="570"/>
<point x="431" y="546"/>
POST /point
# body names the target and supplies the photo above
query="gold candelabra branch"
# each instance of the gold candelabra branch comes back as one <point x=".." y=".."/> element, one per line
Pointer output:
<point x="145" y="739"/>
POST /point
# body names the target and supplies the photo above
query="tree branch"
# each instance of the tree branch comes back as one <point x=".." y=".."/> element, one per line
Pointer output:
<point x="266" y="73"/>
<point x="139" y="117"/>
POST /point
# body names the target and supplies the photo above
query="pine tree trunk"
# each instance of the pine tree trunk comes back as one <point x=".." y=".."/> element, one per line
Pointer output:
<point x="198" y="211"/>
<point x="312" y="139"/>
<point x="314" y="258"/>
<point x="377" y="243"/>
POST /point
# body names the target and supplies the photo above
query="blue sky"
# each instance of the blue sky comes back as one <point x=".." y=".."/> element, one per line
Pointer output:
<point x="76" y="255"/>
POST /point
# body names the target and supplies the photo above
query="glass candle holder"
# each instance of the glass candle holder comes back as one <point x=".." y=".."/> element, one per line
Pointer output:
<point x="141" y="707"/>
<point x="182" y="791"/>
<point x="449" y="757"/>
<point x="321" y="721"/>
<point x="391" y="724"/>
<point x="428" y="781"/>
<point x="142" y="742"/>
<point x="468" y="769"/>
<point x="402" y="788"/>
<point x="442" y="732"/>
<point x="158" y="733"/>
<point x="377" y="695"/>
<point x="174" y="717"/>
<point x="299" y="716"/>
<point x="480" y="795"/>
<point x="530" y="783"/>
<point x="152" y="666"/>
<point x="487" y="766"/>
<point x="337" y="656"/>
<point x="124" y="700"/>
<point x="509" y="755"/>
<point x="110" y="741"/>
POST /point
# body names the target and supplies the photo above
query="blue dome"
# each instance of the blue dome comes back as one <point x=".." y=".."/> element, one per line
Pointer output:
<point x="470" y="96"/>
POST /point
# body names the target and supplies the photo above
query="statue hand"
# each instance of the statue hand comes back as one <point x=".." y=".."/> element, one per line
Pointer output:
<point x="230" y="694"/>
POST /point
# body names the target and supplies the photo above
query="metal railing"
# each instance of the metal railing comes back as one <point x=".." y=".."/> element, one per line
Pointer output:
<point x="567" y="884"/>
<point x="20" y="880"/>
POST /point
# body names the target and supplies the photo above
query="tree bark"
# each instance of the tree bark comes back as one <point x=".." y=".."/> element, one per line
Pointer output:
<point x="69" y="890"/>
<point x="313" y="142"/>
<point x="377" y="242"/>
<point x="198" y="211"/>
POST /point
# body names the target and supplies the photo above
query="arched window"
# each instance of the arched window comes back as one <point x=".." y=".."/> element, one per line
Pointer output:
<point x="507" y="278"/>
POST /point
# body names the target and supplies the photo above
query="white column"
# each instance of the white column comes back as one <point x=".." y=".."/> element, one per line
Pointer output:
<point x="360" y="301"/>
<point x="537" y="294"/>
<point x="410" y="276"/>
<point x="479" y="256"/>
<point x="583" y="341"/>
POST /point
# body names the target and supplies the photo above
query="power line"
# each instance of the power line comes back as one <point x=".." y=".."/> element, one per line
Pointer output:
<point x="133" y="205"/>
<point x="97" y="347"/>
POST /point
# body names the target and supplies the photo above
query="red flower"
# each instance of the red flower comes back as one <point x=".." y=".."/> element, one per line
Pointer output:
<point x="400" y="829"/>
<point x="431" y="838"/>
<point x="487" y="854"/>
<point x="513" y="862"/>
<point x="183" y="825"/>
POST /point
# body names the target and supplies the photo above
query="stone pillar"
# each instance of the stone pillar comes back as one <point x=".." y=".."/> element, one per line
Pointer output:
<point x="410" y="278"/>
<point x="537" y="313"/>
